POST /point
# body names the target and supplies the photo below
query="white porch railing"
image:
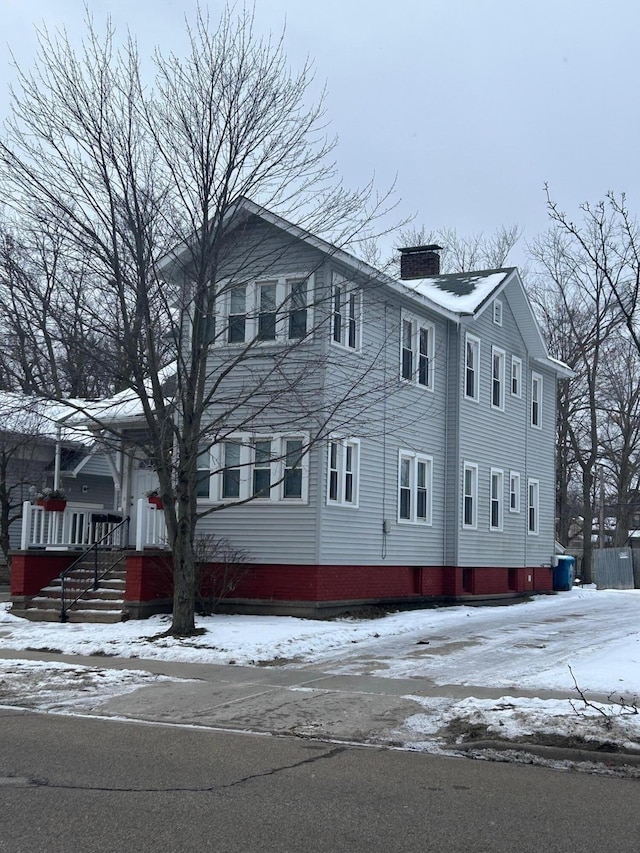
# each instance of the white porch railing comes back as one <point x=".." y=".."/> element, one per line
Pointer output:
<point x="77" y="526"/>
<point x="151" y="529"/>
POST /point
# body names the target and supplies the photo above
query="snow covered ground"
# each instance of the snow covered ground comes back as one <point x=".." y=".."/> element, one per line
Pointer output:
<point x="503" y="672"/>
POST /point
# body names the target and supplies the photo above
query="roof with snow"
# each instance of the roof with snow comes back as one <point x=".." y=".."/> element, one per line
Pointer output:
<point x="460" y="293"/>
<point x="125" y="406"/>
<point x="41" y="418"/>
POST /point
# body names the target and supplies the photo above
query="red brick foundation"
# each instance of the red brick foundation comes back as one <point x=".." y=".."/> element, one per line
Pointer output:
<point x="351" y="583"/>
<point x="309" y="590"/>
<point x="33" y="570"/>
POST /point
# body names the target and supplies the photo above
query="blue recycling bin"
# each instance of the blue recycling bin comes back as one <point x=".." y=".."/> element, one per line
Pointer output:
<point x="564" y="573"/>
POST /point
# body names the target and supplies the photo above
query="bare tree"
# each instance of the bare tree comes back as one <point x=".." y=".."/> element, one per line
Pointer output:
<point x="26" y="446"/>
<point x="580" y="270"/>
<point x="462" y="253"/>
<point x="147" y="185"/>
<point x="51" y="338"/>
<point x="619" y="401"/>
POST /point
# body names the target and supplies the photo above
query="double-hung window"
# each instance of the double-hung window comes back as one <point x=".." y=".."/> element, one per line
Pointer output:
<point x="237" y="325"/>
<point x="346" y="309"/>
<point x="343" y="471"/>
<point x="293" y="473"/>
<point x="533" y="501"/>
<point x="417" y="351"/>
<point x="516" y="376"/>
<point x="514" y="491"/>
<point x="297" y="309"/>
<point x="262" y="464"/>
<point x="204" y="471"/>
<point x="470" y="495"/>
<point x="415" y="478"/>
<point x="471" y="367"/>
<point x="267" y="310"/>
<point x="264" y="467"/>
<point x="497" y="378"/>
<point x="231" y="472"/>
<point x="271" y="310"/>
<point x="536" y="400"/>
<point x="496" y="499"/>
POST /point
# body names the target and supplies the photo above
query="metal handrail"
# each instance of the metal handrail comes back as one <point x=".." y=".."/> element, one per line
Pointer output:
<point x="94" y="583"/>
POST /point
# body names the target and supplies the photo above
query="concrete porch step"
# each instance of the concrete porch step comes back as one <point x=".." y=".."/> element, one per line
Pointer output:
<point x="86" y="603"/>
<point x="104" y="604"/>
<point x="103" y="592"/>
<point x="34" y="614"/>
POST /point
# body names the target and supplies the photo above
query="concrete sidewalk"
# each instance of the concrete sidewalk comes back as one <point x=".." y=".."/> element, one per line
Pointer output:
<point x="301" y="701"/>
<point x="304" y="701"/>
<point x="277" y="700"/>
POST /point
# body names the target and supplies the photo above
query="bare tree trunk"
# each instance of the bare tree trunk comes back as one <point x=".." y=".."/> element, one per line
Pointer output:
<point x="587" y="530"/>
<point x="184" y="580"/>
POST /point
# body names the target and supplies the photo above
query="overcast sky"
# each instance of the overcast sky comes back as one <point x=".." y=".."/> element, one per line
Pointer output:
<point x="473" y="104"/>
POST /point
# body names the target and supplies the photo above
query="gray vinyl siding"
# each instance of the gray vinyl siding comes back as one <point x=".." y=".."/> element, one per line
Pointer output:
<point x="269" y="532"/>
<point x="406" y="417"/>
<point x="271" y="254"/>
<point x="272" y="531"/>
<point x="451" y="501"/>
<point x="98" y="490"/>
<point x="506" y="441"/>
<point x="359" y="394"/>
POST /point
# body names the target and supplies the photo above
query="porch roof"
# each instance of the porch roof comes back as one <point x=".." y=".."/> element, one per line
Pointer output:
<point x="26" y="415"/>
<point x="123" y="408"/>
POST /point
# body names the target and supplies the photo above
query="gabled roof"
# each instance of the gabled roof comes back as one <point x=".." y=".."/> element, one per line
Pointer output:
<point x="464" y="294"/>
<point x="454" y="296"/>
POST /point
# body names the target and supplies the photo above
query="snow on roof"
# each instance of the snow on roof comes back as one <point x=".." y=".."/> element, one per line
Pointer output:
<point x="460" y="293"/>
<point x="37" y="416"/>
<point x="126" y="405"/>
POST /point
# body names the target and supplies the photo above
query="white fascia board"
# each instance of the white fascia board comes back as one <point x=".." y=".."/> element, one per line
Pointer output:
<point x="558" y="367"/>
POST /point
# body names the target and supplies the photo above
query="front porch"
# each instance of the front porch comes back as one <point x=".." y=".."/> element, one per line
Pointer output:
<point x="79" y="526"/>
<point x="86" y="563"/>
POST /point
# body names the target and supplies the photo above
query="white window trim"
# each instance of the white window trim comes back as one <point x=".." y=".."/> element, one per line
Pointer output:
<point x="536" y="378"/>
<point x="276" y="492"/>
<point x="283" y="309"/>
<point x="499" y="473"/>
<point x="497" y="312"/>
<point x="468" y="338"/>
<point x="342" y="444"/>
<point x="500" y="353"/>
<point x="338" y="280"/>
<point x="210" y="467"/>
<point x="516" y="367"/>
<point x="514" y="480"/>
<point x="470" y="466"/>
<point x="535" y="506"/>
<point x="417" y="325"/>
<point x="414" y="459"/>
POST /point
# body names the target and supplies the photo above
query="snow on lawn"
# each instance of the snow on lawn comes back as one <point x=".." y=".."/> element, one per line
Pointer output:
<point x="560" y="722"/>
<point x="530" y="648"/>
<point x="228" y="639"/>
<point x="64" y="687"/>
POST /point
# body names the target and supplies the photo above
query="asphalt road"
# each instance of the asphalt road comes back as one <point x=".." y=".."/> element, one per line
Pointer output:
<point x="89" y="785"/>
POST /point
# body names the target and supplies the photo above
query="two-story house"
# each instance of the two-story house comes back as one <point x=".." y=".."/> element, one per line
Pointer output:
<point x="373" y="439"/>
<point x="409" y="452"/>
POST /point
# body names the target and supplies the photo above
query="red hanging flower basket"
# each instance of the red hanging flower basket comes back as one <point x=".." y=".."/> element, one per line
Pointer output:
<point x="52" y="504"/>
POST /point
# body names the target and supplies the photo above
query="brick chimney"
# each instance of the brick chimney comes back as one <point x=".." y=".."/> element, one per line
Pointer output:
<point x="419" y="261"/>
